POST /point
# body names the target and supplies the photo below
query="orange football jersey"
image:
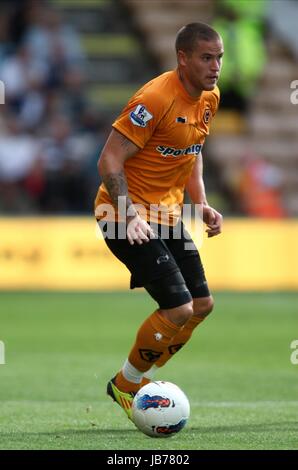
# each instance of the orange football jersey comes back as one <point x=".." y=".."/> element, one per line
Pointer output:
<point x="169" y="126"/>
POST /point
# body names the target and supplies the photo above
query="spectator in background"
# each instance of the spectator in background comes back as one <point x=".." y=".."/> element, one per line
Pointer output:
<point x="22" y="13"/>
<point x="259" y="188"/>
<point x="241" y="26"/>
<point x="54" y="44"/>
<point x="5" y="45"/>
<point x="19" y="156"/>
<point x="65" y="157"/>
<point x="41" y="64"/>
<point x="20" y="73"/>
<point x="55" y="151"/>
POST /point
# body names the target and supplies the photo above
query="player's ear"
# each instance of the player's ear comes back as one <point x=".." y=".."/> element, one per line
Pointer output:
<point x="181" y="58"/>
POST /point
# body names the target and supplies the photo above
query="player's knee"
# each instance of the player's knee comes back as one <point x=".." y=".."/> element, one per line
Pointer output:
<point x="186" y="312"/>
<point x="203" y="306"/>
<point x="179" y="315"/>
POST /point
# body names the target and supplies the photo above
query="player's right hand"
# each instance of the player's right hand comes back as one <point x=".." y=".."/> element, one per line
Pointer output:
<point x="138" y="230"/>
<point x="213" y="220"/>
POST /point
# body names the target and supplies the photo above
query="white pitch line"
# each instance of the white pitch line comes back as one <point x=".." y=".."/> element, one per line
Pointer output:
<point x="246" y="404"/>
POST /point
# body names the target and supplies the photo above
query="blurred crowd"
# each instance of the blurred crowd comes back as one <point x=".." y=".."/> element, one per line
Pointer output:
<point x="253" y="185"/>
<point x="50" y="135"/>
<point x="242" y="26"/>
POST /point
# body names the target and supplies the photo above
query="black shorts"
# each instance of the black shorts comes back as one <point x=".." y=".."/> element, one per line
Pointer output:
<point x="169" y="267"/>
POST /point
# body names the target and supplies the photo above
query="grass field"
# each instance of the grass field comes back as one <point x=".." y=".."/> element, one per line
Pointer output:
<point x="61" y="349"/>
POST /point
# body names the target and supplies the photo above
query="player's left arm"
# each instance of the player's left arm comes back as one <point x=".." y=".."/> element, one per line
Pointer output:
<point x="196" y="189"/>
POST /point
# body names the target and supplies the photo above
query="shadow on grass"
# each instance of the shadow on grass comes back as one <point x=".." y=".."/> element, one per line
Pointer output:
<point x="96" y="430"/>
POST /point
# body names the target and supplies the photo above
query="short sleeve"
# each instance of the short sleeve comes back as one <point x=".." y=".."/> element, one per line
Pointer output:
<point x="141" y="116"/>
<point x="214" y="100"/>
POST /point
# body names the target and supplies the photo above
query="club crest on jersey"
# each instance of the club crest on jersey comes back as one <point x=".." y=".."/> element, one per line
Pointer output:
<point x="207" y="115"/>
<point x="140" y="116"/>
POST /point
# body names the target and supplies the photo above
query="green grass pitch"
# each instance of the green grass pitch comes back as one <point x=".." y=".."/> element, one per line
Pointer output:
<point x="62" y="348"/>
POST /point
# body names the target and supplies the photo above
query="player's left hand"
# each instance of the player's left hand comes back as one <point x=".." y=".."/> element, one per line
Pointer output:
<point x="213" y="220"/>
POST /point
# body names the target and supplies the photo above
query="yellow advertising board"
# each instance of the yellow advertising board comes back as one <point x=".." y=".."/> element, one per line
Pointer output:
<point x="70" y="254"/>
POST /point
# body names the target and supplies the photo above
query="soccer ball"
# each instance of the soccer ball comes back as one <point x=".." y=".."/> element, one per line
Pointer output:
<point x="160" y="409"/>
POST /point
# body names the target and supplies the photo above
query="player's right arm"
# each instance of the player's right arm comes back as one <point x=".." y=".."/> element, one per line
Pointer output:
<point x="111" y="169"/>
<point x="196" y="189"/>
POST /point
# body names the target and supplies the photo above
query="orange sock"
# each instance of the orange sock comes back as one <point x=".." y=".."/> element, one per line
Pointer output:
<point x="179" y="340"/>
<point x="175" y="345"/>
<point x="153" y="338"/>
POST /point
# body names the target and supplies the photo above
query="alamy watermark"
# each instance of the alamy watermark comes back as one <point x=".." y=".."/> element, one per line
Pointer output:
<point x="159" y="217"/>
<point x="294" y="355"/>
<point x="294" y="94"/>
<point x="2" y="93"/>
<point x="2" y="353"/>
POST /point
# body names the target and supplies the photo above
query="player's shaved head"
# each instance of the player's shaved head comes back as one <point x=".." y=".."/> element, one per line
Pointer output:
<point x="188" y="36"/>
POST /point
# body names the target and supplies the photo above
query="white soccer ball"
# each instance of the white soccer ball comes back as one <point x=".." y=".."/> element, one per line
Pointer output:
<point x="160" y="409"/>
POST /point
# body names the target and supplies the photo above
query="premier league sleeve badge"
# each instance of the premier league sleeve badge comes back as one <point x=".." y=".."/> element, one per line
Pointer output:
<point x="140" y="116"/>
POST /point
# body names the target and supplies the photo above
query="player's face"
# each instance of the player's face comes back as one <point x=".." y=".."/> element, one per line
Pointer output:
<point x="201" y="68"/>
